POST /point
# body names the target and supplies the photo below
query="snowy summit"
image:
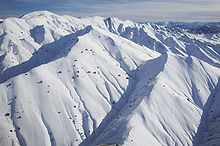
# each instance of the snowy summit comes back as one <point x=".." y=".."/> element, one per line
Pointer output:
<point x="94" y="81"/>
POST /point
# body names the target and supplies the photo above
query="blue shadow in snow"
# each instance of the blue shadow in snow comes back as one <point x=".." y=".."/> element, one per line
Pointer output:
<point x="47" y="53"/>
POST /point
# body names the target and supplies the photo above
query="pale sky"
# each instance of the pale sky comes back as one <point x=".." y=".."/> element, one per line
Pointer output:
<point x="136" y="10"/>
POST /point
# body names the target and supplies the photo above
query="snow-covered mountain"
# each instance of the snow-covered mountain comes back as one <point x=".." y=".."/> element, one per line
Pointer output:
<point x="67" y="81"/>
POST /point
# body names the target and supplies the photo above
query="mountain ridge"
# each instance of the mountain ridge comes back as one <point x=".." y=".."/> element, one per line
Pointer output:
<point x="94" y="80"/>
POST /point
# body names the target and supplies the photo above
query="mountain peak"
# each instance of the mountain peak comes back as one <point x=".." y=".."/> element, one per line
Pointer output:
<point x="42" y="13"/>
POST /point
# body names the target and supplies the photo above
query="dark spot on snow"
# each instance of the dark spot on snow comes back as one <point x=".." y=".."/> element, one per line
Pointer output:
<point x="7" y="114"/>
<point x="75" y="116"/>
<point x="76" y="140"/>
<point x="74" y="106"/>
<point x="81" y="51"/>
<point x="11" y="130"/>
<point x="119" y="75"/>
<point x="40" y="82"/>
<point x="9" y="85"/>
<point x="19" y="117"/>
<point x="211" y="111"/>
<point x="94" y="72"/>
<point x="59" y="72"/>
<point x="86" y="49"/>
<point x="75" y="60"/>
<point x="126" y="77"/>
<point x="88" y="71"/>
<point x="58" y="112"/>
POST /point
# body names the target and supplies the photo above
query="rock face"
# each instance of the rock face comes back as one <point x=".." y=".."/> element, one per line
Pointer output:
<point x="96" y="81"/>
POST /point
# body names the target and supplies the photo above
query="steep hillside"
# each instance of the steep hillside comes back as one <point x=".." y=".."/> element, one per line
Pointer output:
<point x="94" y="81"/>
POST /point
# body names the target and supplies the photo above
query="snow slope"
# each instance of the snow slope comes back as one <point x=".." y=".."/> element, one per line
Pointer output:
<point x="94" y="81"/>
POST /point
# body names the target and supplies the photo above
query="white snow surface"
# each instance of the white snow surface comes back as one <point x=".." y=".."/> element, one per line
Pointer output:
<point x="67" y="81"/>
